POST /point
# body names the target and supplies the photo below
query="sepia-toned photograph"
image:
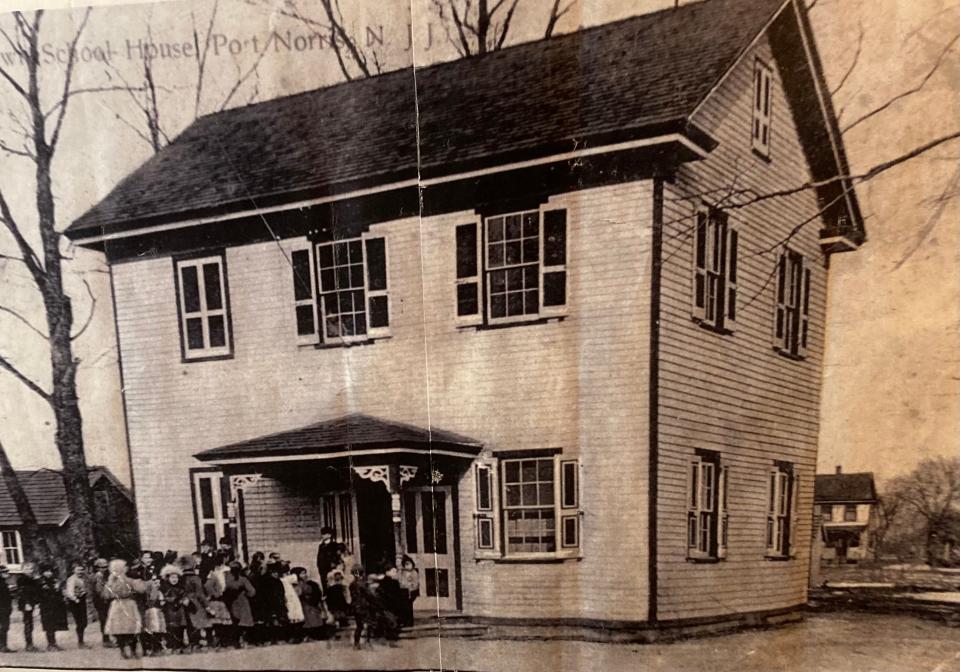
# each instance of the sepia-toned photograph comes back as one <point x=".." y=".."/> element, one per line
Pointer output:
<point x="480" y="335"/>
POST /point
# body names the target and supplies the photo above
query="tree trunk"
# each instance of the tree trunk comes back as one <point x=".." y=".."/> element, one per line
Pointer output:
<point x="34" y="546"/>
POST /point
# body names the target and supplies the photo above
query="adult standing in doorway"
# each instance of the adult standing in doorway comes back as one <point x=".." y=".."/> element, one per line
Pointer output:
<point x="329" y="554"/>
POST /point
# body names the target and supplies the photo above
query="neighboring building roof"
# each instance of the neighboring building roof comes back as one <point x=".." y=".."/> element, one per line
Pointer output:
<point x="350" y="433"/>
<point x="627" y="80"/>
<point x="845" y="488"/>
<point x="47" y="496"/>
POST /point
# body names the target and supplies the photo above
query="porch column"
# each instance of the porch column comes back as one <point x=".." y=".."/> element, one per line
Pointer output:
<point x="394" y="488"/>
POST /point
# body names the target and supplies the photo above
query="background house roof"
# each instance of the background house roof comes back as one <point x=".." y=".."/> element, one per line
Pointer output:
<point x="350" y="432"/>
<point x="845" y="488"/>
<point x="48" y="499"/>
<point x="619" y="81"/>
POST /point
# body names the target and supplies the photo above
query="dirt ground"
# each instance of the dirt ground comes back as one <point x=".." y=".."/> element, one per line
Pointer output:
<point x="822" y="643"/>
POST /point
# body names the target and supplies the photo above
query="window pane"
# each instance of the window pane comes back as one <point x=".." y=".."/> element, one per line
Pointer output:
<point x="530" y="224"/>
<point x="514" y="251"/>
<point x="513" y="495"/>
<point x="484" y="499"/>
<point x="485" y="533"/>
<point x="467" y="301"/>
<point x="495" y="229"/>
<point x="495" y="255"/>
<point x="206" y="498"/>
<point x="218" y="334"/>
<point x="430" y="581"/>
<point x="195" y="333"/>
<point x="302" y="288"/>
<point x="498" y="306"/>
<point x="410" y="520"/>
<point x="379" y="313"/>
<point x="512" y="472"/>
<point x="467" y="250"/>
<point x="555" y="238"/>
<point x="305" y="322"/>
<point x="191" y="289"/>
<point x="356" y="275"/>
<point x="377" y="263"/>
<point x="545" y="470"/>
<point x="569" y="531"/>
<point x="498" y="282"/>
<point x="211" y="286"/>
<point x="531" y="250"/>
<point x="530" y="494"/>
<point x="429" y="527"/>
<point x="570" y="484"/>
<point x="440" y="522"/>
<point x="555" y="289"/>
<point x="515" y="304"/>
<point x="512" y="227"/>
<point x="528" y="471"/>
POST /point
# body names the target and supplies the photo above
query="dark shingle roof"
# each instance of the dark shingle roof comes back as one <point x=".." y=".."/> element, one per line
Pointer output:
<point x="608" y="83"/>
<point x="46" y="494"/>
<point x="350" y="432"/>
<point x="845" y="488"/>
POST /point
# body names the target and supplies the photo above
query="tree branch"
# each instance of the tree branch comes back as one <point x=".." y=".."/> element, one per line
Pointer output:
<point x="30" y="258"/>
<point x="555" y="15"/>
<point x="505" y="26"/>
<point x="853" y="63"/>
<point x="93" y="307"/>
<point x="67" y="80"/>
<point x="24" y="320"/>
<point x="32" y="386"/>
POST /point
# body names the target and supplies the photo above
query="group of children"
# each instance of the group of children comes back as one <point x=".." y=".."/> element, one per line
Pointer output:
<point x="166" y="603"/>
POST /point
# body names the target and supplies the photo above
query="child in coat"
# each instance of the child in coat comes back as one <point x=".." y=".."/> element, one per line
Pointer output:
<point x="220" y="616"/>
<point x="409" y="578"/>
<point x="198" y="616"/>
<point x="174" y="606"/>
<point x="123" y="617"/>
<point x="338" y="596"/>
<point x="154" y="621"/>
<point x="237" y="593"/>
<point x="294" y="610"/>
<point x="75" y="594"/>
<point x="53" y="610"/>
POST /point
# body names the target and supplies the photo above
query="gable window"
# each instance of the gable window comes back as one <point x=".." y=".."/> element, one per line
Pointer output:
<point x="340" y="293"/>
<point x="707" y="518"/>
<point x="540" y="505"/>
<point x="850" y="513"/>
<point x="791" y="326"/>
<point x="782" y="495"/>
<point x="524" y="268"/>
<point x="826" y="513"/>
<point x="762" y="92"/>
<point x="715" y="271"/>
<point x="204" y="307"/>
<point x="12" y="549"/>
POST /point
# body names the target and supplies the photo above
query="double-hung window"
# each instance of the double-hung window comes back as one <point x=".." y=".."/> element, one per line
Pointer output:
<point x="707" y="517"/>
<point x="520" y="273"/>
<point x="204" y="307"/>
<point x="762" y="112"/>
<point x="782" y="505"/>
<point x="791" y="322"/>
<point x="715" y="271"/>
<point x="341" y="292"/>
<point x="850" y="513"/>
<point x="536" y="511"/>
<point x="12" y="549"/>
<point x="211" y="496"/>
<point x="826" y="513"/>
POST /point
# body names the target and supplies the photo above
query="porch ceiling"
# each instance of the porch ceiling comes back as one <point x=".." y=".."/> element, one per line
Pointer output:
<point x="354" y="434"/>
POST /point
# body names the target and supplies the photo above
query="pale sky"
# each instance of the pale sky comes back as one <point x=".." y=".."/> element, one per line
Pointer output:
<point x="892" y="381"/>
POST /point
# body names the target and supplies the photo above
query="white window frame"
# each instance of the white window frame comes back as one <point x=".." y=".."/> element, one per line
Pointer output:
<point x="707" y="493"/>
<point x="781" y="518"/>
<point x="761" y="125"/>
<point x="720" y="270"/>
<point x="220" y="522"/>
<point x="559" y="510"/>
<point x="371" y="333"/>
<point x="477" y="280"/>
<point x="17" y="547"/>
<point x="311" y="301"/>
<point x="204" y="314"/>
<point x="792" y="301"/>
<point x="487" y="515"/>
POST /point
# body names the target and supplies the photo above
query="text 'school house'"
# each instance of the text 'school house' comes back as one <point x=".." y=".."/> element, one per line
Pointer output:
<point x="569" y="363"/>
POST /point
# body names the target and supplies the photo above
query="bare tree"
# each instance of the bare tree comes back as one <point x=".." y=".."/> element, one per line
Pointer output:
<point x="34" y="546"/>
<point x="42" y="127"/>
<point x="477" y="26"/>
<point x="932" y="491"/>
<point x="889" y="506"/>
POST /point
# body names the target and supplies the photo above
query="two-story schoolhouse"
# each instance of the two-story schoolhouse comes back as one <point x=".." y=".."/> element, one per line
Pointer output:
<point x="534" y="318"/>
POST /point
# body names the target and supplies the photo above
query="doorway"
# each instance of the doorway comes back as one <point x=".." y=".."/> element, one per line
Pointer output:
<point x="428" y="538"/>
<point x="375" y="525"/>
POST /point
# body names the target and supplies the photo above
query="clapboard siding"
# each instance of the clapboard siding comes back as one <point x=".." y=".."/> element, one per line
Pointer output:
<point x="733" y="393"/>
<point x="579" y="384"/>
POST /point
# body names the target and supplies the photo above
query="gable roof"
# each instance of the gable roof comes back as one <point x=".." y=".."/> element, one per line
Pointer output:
<point x="621" y="81"/>
<point x="349" y="433"/>
<point x="845" y="488"/>
<point x="47" y="496"/>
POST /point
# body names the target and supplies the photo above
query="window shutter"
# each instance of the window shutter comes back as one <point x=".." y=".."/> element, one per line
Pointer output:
<point x="762" y="113"/>
<point x="554" y="266"/>
<point x="794" y="515"/>
<point x="378" y="300"/>
<point x="699" y="298"/>
<point x="722" y="519"/>
<point x="771" y="531"/>
<point x="780" y="326"/>
<point x="804" y="314"/>
<point x="693" y="508"/>
<point x="730" y="316"/>
<point x="570" y="510"/>
<point x="468" y="274"/>
<point x="486" y="538"/>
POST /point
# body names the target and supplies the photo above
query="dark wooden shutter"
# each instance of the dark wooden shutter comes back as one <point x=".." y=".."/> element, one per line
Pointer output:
<point x="468" y="273"/>
<point x="554" y="259"/>
<point x="730" y="312"/>
<point x="780" y="330"/>
<point x="804" y="314"/>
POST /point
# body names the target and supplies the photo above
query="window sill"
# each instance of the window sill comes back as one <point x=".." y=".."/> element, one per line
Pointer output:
<point x="763" y="156"/>
<point x="206" y="358"/>
<point x="777" y="558"/>
<point x="345" y="344"/>
<point x="508" y="325"/>
<point x="704" y="561"/>
<point x="789" y="355"/>
<point x="535" y="559"/>
<point x="707" y="326"/>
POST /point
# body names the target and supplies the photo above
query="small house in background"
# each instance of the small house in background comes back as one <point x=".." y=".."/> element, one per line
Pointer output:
<point x="846" y="504"/>
<point x="114" y="516"/>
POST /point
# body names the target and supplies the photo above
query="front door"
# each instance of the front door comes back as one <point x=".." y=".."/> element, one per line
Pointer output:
<point x="428" y="539"/>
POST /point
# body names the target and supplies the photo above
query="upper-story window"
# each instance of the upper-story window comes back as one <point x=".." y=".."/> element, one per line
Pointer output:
<point x="707" y="518"/>
<point x="826" y="513"/>
<point x="850" y="513"/>
<point x="204" y="307"/>
<point x="340" y="290"/>
<point x="715" y="271"/>
<point x="518" y="273"/>
<point x="791" y="325"/>
<point x="762" y="93"/>
<point x="782" y="506"/>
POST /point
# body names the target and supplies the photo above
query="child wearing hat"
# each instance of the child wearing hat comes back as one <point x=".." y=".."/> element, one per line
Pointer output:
<point x="123" y="618"/>
<point x="53" y="611"/>
<point x="174" y="606"/>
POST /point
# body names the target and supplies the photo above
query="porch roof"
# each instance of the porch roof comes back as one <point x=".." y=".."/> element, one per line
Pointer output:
<point x="354" y="434"/>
